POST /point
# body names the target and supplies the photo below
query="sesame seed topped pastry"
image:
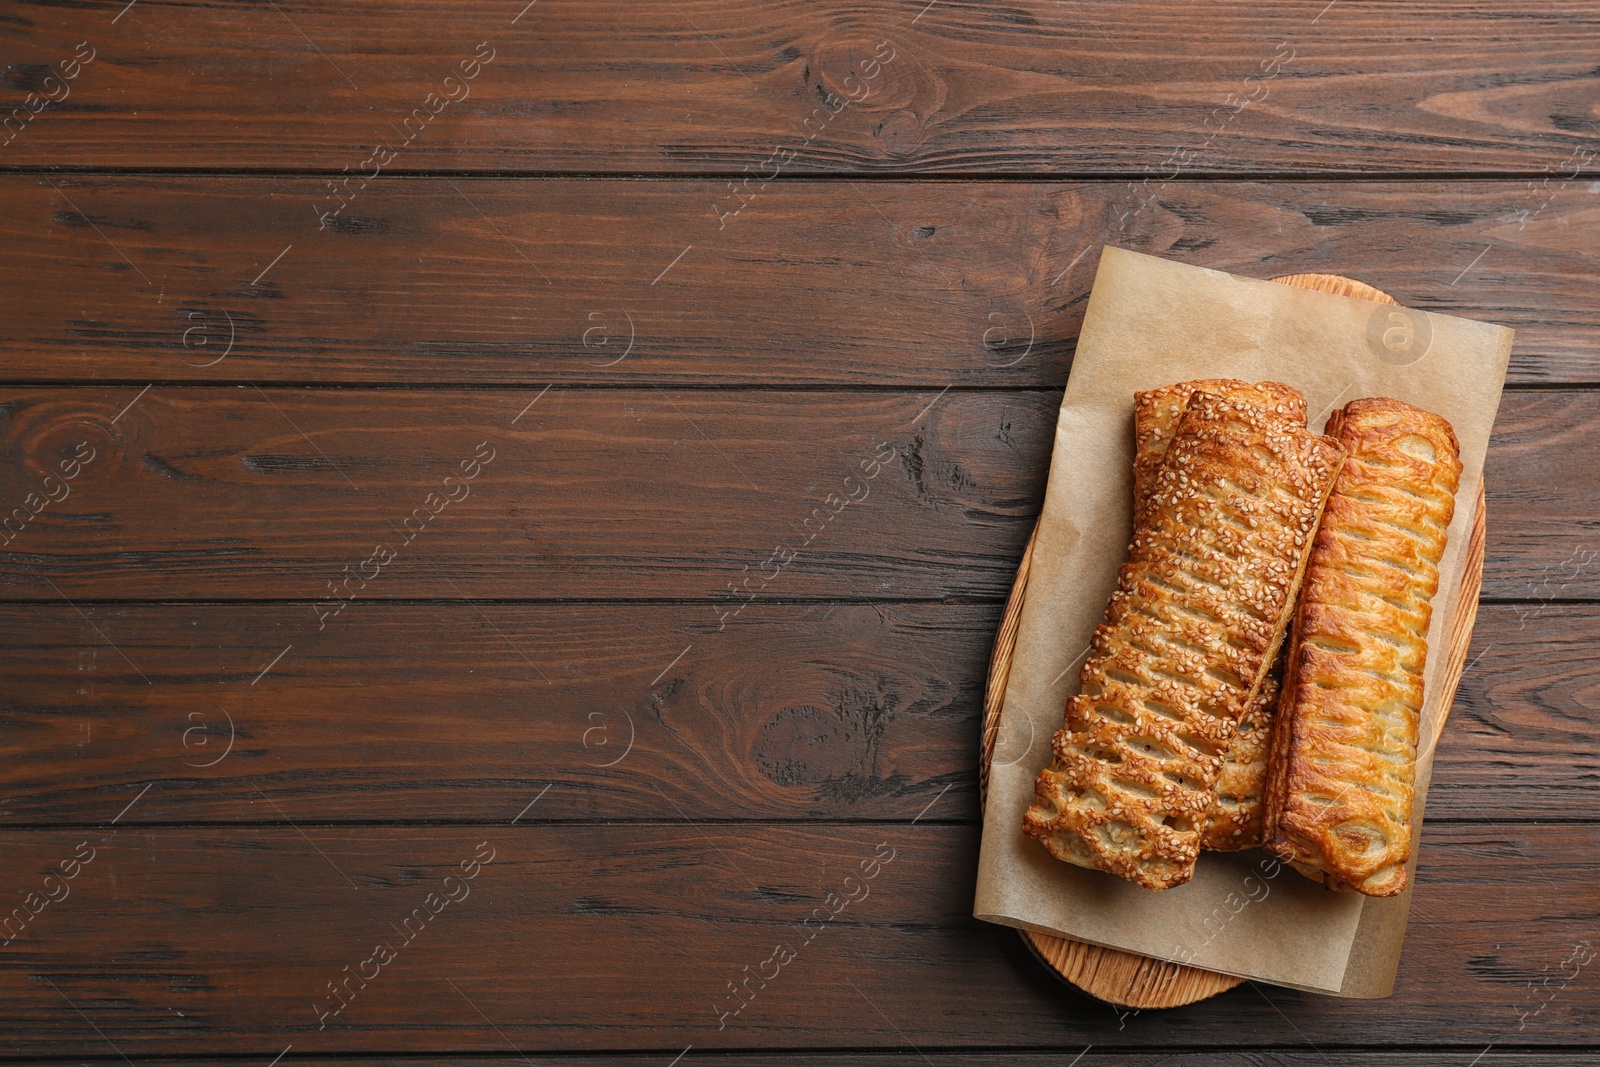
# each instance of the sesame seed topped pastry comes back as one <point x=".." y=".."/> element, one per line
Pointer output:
<point x="1197" y="616"/>
<point x="1234" y="821"/>
<point x="1156" y="413"/>
<point x="1343" y="775"/>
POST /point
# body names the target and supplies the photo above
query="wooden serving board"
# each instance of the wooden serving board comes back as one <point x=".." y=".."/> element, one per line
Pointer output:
<point x="1126" y="978"/>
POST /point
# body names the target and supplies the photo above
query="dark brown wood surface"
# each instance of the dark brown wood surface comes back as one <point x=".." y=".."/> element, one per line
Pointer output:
<point x="252" y="493"/>
<point x="1090" y="1057"/>
<point x="861" y="712"/>
<point x="528" y="282"/>
<point x="746" y="393"/>
<point x="695" y="86"/>
<point x="654" y="920"/>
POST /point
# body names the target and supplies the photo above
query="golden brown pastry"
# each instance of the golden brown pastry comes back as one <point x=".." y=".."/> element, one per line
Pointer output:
<point x="1156" y="413"/>
<point x="1198" y="613"/>
<point x="1234" y="821"/>
<point x="1344" y="752"/>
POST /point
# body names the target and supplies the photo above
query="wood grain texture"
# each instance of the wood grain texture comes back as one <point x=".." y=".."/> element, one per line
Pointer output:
<point x="426" y="712"/>
<point x="1537" y="551"/>
<point x="429" y="712"/>
<point x="1126" y="979"/>
<point x="830" y="711"/>
<point x="162" y="939"/>
<point x="246" y="493"/>
<point x="882" y="284"/>
<point x="966" y="1058"/>
<point x="1031" y="86"/>
<point x="592" y="494"/>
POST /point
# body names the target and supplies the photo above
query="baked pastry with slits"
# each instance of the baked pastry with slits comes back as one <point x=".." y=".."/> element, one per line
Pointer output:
<point x="1198" y="613"/>
<point x="1156" y="413"/>
<point x="1234" y="821"/>
<point x="1343" y="772"/>
<point x="1235" y="818"/>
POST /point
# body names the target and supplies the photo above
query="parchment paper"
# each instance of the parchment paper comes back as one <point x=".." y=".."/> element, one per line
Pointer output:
<point x="1151" y="323"/>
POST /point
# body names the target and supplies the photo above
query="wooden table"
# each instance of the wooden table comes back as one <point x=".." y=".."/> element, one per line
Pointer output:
<point x="515" y="502"/>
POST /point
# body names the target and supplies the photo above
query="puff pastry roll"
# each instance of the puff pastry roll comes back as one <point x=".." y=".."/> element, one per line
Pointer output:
<point x="1234" y="821"/>
<point x="1344" y="752"/>
<point x="1156" y="413"/>
<point x="1198" y="613"/>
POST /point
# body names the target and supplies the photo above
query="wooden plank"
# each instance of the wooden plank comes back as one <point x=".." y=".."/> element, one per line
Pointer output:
<point x="1073" y="1056"/>
<point x="1529" y="678"/>
<point x="1032" y="87"/>
<point x="1538" y="549"/>
<point x="454" y="712"/>
<point x="451" y="711"/>
<point x="631" y="937"/>
<point x="925" y="284"/>
<point x="199" y="493"/>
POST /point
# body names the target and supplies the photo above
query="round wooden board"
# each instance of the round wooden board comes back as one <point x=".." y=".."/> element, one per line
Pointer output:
<point x="1126" y="978"/>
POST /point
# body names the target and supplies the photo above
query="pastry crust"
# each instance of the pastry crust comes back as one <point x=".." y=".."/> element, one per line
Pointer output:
<point x="1342" y="780"/>
<point x="1198" y="613"/>
<point x="1234" y="821"/>
<point x="1156" y="413"/>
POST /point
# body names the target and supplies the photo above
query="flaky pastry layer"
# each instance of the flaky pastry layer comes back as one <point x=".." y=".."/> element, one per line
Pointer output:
<point x="1199" y="610"/>
<point x="1234" y="821"/>
<point x="1342" y="783"/>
